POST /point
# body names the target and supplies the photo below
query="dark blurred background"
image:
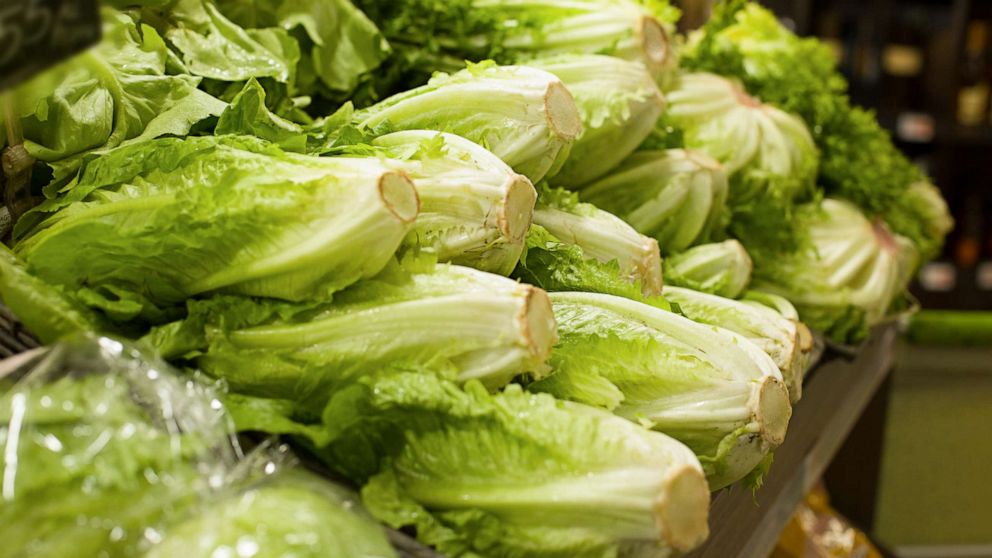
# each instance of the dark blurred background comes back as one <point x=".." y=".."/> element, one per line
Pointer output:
<point x="925" y="67"/>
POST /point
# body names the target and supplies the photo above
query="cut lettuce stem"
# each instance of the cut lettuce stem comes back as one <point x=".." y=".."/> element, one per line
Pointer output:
<point x="708" y="387"/>
<point x="525" y="116"/>
<point x="475" y="210"/>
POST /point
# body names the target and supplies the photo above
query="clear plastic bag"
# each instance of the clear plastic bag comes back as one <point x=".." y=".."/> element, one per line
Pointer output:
<point x="107" y="452"/>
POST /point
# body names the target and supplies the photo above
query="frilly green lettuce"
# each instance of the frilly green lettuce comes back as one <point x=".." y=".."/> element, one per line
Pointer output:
<point x="768" y="154"/>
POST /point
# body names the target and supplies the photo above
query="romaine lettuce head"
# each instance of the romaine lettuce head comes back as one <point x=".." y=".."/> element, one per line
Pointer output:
<point x="102" y="446"/>
<point x="847" y="280"/>
<point x="291" y="512"/>
<point x="512" y="474"/>
<point x="129" y="87"/>
<point x="677" y="196"/>
<point x="769" y="154"/>
<point x="721" y="268"/>
<point x="775" y="334"/>
<point x="705" y="386"/>
<point x="619" y="103"/>
<point x="464" y="324"/>
<point x="475" y="210"/>
<point x="554" y="265"/>
<point x="148" y="225"/>
<point x="429" y="36"/>
<point x="523" y="115"/>
<point x="601" y="236"/>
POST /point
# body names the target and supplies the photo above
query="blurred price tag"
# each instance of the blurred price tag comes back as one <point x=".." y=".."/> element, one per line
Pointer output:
<point x="35" y="34"/>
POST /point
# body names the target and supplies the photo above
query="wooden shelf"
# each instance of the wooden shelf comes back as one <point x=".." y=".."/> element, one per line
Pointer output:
<point x="836" y="392"/>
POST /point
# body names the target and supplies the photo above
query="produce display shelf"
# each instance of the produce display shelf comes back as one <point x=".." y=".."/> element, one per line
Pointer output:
<point x="837" y="390"/>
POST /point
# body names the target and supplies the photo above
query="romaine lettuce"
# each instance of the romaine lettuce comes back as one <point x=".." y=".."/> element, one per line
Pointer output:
<point x="676" y="196"/>
<point x="710" y="388"/>
<point x="524" y="115"/>
<point x="721" y="268"/>
<point x="148" y="225"/>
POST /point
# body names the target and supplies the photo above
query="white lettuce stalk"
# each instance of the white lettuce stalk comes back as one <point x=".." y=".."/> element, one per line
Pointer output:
<point x="676" y="196"/>
<point x="472" y="324"/>
<point x="710" y="388"/>
<point x="846" y="280"/>
<point x="721" y="268"/>
<point x="619" y="103"/>
<point x="774" y="333"/>
<point x="525" y="116"/>
<point x="474" y="210"/>
<point x="601" y="236"/>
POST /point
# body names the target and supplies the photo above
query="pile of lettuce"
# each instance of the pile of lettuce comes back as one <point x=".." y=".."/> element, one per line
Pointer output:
<point x="524" y="276"/>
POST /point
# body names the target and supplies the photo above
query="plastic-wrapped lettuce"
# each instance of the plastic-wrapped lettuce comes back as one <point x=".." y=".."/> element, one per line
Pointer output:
<point x="523" y="115"/>
<point x="677" y="196"/>
<point x="474" y="210"/>
<point x="510" y="474"/>
<point x="845" y="282"/>
<point x="148" y="225"/>
<point x="601" y="236"/>
<point x="109" y="452"/>
<point x="102" y="446"/>
<point x="465" y="323"/>
<point x="619" y="103"/>
<point x="428" y="36"/>
<point x="777" y="335"/>
<point x="705" y="386"/>
<point x="276" y="510"/>
<point x="721" y="268"/>
<point x="768" y="154"/>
